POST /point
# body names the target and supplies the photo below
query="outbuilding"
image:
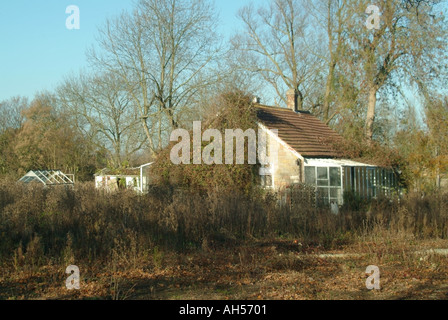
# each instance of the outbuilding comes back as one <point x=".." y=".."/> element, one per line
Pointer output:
<point x="128" y="178"/>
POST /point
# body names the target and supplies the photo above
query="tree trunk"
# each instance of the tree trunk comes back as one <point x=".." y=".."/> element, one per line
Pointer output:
<point x="148" y="135"/>
<point x="332" y="64"/>
<point x="299" y="100"/>
<point x="328" y="92"/>
<point x="370" y="119"/>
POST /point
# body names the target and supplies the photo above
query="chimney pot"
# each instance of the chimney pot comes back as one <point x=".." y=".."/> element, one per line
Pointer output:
<point x="291" y="100"/>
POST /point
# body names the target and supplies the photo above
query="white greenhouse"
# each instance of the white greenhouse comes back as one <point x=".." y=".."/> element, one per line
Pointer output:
<point x="48" y="178"/>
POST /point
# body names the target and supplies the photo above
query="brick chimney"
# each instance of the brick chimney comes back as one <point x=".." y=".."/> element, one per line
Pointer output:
<point x="291" y="100"/>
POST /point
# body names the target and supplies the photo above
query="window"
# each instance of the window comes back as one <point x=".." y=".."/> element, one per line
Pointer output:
<point x="335" y="177"/>
<point x="310" y="176"/>
<point x="322" y="173"/>
<point x="328" y="182"/>
<point x="266" y="181"/>
<point x="323" y="194"/>
<point x="372" y="182"/>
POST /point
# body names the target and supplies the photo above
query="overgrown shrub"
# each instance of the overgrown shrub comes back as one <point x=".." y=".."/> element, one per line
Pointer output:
<point x="236" y="112"/>
<point x="67" y="224"/>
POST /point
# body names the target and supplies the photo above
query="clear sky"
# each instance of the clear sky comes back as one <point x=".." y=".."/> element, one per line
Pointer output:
<point x="37" y="50"/>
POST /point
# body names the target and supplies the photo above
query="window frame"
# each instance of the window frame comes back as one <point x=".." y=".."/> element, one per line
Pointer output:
<point x="325" y="184"/>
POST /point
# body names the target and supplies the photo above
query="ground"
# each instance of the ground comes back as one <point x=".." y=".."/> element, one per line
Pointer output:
<point x="272" y="270"/>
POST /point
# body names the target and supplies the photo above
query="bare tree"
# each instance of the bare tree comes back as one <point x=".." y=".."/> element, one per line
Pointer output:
<point x="102" y="110"/>
<point x="277" y="45"/>
<point x="436" y="112"/>
<point x="11" y="121"/>
<point x="11" y="113"/>
<point x="161" y="52"/>
<point x="47" y="140"/>
<point x="330" y="18"/>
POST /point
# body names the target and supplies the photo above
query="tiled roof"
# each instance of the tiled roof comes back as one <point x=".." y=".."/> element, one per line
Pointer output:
<point x="302" y="131"/>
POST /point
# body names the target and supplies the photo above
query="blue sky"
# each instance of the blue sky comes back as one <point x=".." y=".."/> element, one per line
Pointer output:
<point x="37" y="50"/>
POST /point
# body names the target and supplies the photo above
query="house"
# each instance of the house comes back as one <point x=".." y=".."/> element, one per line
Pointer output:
<point x="48" y="178"/>
<point x="306" y="155"/>
<point x="129" y="178"/>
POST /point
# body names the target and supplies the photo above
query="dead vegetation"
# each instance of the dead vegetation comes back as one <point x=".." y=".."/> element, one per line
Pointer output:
<point x="177" y="245"/>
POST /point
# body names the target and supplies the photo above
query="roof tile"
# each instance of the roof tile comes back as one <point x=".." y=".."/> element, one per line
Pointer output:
<point x="302" y="131"/>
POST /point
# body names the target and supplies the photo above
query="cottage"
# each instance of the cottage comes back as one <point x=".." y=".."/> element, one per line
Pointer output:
<point x="306" y="155"/>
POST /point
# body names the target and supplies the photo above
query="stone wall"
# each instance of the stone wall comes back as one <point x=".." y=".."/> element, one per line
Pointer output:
<point x="287" y="170"/>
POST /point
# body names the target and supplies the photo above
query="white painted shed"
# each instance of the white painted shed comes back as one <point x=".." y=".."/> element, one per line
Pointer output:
<point x="129" y="178"/>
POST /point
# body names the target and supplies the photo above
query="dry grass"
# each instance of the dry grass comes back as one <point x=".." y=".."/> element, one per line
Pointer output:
<point x="270" y="270"/>
<point x="177" y="245"/>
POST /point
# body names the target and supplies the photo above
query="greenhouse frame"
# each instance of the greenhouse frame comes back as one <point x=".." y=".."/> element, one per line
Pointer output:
<point x="48" y="177"/>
